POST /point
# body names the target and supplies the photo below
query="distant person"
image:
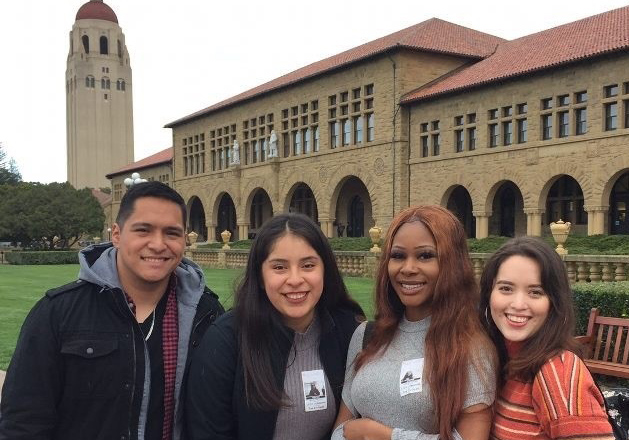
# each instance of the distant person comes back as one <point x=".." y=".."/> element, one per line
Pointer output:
<point x="546" y="390"/>
<point x="104" y="357"/>
<point x="291" y="325"/>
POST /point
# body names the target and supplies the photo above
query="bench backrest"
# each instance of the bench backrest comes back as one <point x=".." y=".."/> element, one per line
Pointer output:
<point x="608" y="338"/>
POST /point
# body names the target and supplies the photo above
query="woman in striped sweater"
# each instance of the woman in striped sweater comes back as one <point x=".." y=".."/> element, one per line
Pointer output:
<point x="546" y="391"/>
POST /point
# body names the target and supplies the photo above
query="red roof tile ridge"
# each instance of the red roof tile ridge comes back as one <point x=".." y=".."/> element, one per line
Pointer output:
<point x="434" y="35"/>
<point x="160" y="157"/>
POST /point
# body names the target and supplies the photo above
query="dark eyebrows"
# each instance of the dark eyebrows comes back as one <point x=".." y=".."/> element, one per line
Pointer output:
<point x="509" y="283"/>
<point x="301" y="260"/>
<point x="178" y="229"/>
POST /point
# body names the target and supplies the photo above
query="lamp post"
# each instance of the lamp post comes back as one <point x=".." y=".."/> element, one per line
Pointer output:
<point x="109" y="234"/>
<point x="134" y="179"/>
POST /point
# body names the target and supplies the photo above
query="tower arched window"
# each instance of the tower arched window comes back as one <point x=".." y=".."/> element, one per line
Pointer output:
<point x="119" y="49"/>
<point x="86" y="43"/>
<point x="105" y="83"/>
<point x="104" y="46"/>
<point x="120" y="85"/>
<point x="89" y="82"/>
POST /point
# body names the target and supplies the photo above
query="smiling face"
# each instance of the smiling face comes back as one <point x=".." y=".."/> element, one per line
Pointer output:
<point x="413" y="269"/>
<point x="293" y="280"/>
<point x="150" y="244"/>
<point x="519" y="306"/>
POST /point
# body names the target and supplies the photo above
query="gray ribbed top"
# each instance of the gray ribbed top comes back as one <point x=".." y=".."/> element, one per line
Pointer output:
<point x="375" y="391"/>
<point x="293" y="421"/>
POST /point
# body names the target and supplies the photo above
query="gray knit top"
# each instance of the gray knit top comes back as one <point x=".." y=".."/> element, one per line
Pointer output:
<point x="295" y="421"/>
<point x="391" y="388"/>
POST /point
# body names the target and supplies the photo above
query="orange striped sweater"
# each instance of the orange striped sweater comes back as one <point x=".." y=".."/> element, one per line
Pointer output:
<point x="561" y="402"/>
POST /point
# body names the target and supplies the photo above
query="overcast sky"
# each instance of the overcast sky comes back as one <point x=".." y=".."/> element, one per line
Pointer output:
<point x="189" y="54"/>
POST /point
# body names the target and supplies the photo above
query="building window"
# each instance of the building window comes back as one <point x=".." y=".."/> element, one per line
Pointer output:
<point x="471" y="138"/>
<point x="369" y="89"/>
<point x="547" y="103"/>
<point x="104" y="46"/>
<point x="507" y="111"/>
<point x="86" y="43"/>
<point x="370" y="127"/>
<point x="458" y="140"/>
<point x="547" y="126"/>
<point x="492" y="114"/>
<point x="581" y="97"/>
<point x="507" y="133"/>
<point x="611" y="116"/>
<point x="627" y="114"/>
<point x="105" y="83"/>
<point x="471" y="118"/>
<point x="493" y="135"/>
<point x="580" y="120"/>
<point x="358" y="129"/>
<point x="522" y="130"/>
<point x="563" y="100"/>
<point x="286" y="144"/>
<point x="120" y="85"/>
<point x="334" y="135"/>
<point x="522" y="108"/>
<point x="611" y="91"/>
<point x="90" y="82"/>
<point x="347" y="131"/>
<point x="306" y="136"/>
<point x="458" y="120"/>
<point x="296" y="143"/>
<point x="436" y="144"/>
<point x="316" y="139"/>
<point x="424" y="143"/>
<point x="564" y="124"/>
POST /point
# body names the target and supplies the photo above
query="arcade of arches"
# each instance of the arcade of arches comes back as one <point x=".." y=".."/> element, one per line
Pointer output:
<point x="562" y="198"/>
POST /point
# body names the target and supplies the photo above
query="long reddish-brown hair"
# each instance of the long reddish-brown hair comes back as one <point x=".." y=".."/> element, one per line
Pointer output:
<point x="455" y="330"/>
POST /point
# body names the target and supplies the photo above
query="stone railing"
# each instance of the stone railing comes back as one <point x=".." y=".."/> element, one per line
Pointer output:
<point x="355" y="264"/>
<point x="581" y="268"/>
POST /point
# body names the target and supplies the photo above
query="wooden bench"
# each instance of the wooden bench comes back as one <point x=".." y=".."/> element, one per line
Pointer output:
<point x="607" y="348"/>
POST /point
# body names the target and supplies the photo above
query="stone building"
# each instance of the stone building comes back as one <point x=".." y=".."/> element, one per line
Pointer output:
<point x="99" y="108"/>
<point x="509" y="135"/>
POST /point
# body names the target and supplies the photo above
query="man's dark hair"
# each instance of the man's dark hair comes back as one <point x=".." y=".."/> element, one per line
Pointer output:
<point x="149" y="189"/>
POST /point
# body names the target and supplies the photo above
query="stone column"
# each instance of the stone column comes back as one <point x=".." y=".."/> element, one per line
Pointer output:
<point x="243" y="230"/>
<point x="482" y="223"/>
<point x="596" y="219"/>
<point x="533" y="221"/>
<point x="211" y="231"/>
<point x="327" y="226"/>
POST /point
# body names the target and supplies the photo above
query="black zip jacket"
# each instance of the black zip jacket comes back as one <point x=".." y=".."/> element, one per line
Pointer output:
<point x="78" y="360"/>
<point x="215" y="406"/>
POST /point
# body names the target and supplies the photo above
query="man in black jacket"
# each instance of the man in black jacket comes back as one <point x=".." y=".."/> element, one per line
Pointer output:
<point x="104" y="357"/>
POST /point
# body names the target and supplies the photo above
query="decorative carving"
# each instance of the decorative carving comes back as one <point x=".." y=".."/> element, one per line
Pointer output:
<point x="323" y="174"/>
<point x="378" y="166"/>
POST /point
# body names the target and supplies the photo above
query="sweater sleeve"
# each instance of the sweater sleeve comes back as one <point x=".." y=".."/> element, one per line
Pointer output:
<point x="567" y="402"/>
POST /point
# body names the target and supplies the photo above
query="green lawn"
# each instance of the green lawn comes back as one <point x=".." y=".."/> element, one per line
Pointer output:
<point x="22" y="286"/>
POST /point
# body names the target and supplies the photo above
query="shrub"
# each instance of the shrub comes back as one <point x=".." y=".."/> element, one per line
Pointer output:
<point x="38" y="257"/>
<point x="351" y="243"/>
<point x="612" y="299"/>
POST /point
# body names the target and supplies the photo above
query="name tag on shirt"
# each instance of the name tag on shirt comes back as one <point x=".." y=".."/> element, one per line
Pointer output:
<point x="411" y="376"/>
<point x="315" y="394"/>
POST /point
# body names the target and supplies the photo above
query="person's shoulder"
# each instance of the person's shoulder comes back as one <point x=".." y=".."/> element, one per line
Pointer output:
<point x="563" y="368"/>
<point x="74" y="286"/>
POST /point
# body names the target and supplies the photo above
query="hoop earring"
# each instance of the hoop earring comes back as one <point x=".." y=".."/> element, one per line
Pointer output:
<point x="487" y="317"/>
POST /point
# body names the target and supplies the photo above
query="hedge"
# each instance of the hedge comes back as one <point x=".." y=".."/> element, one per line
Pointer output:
<point x="612" y="298"/>
<point x="37" y="257"/>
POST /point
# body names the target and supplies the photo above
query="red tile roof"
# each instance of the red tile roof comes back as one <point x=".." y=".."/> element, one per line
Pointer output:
<point x="97" y="10"/>
<point x="590" y="37"/>
<point x="432" y="35"/>
<point x="103" y="198"/>
<point x="162" y="157"/>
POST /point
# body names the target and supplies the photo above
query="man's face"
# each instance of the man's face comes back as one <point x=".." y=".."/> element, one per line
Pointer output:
<point x="150" y="244"/>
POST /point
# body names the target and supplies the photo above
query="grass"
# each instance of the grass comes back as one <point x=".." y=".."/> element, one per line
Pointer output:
<point x="22" y="286"/>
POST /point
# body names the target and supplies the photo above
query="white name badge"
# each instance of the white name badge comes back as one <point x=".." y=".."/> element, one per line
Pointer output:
<point x="411" y="376"/>
<point x="315" y="394"/>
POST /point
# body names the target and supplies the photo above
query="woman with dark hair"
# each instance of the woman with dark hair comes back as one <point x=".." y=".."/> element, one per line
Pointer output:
<point x="257" y="367"/>
<point x="427" y="370"/>
<point x="546" y="391"/>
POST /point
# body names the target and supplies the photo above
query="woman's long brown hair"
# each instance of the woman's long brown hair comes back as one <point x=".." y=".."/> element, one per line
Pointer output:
<point x="454" y="332"/>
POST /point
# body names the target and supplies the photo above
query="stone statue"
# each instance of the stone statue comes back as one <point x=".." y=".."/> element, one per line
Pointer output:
<point x="235" y="153"/>
<point x="273" y="145"/>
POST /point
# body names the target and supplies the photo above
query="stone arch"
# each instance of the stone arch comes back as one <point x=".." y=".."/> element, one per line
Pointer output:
<point x="224" y="216"/>
<point x="618" y="203"/>
<point x="336" y="181"/>
<point x="196" y="218"/>
<point x="249" y="187"/>
<point x="490" y="188"/>
<point x="547" y="176"/>
<point x="259" y="207"/>
<point x="351" y="208"/>
<point x="290" y="182"/>
<point x="301" y="198"/>
<point x="506" y="203"/>
<point x="459" y="201"/>
<point x="552" y="196"/>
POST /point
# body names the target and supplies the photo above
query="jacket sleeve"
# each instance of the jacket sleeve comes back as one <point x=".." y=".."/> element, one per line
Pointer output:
<point x="33" y="382"/>
<point x="209" y="388"/>
<point x="567" y="402"/>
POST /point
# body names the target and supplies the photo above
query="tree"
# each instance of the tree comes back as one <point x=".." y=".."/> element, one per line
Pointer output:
<point x="31" y="211"/>
<point x="9" y="172"/>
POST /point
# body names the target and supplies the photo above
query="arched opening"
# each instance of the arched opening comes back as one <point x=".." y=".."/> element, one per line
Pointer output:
<point x="226" y="218"/>
<point x="196" y="221"/>
<point x="303" y="201"/>
<point x="261" y="211"/>
<point x="86" y="43"/>
<point x="353" y="216"/>
<point x="508" y="219"/>
<point x="460" y="204"/>
<point x="119" y="49"/>
<point x="565" y="202"/>
<point x="104" y="46"/>
<point x="618" y="205"/>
